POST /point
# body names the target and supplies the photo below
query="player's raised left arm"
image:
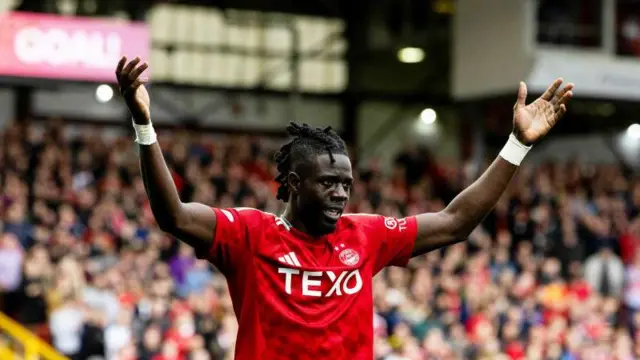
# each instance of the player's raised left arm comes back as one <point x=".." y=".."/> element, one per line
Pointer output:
<point x="466" y="211"/>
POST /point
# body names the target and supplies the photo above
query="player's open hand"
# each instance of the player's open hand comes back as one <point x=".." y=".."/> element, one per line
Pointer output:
<point x="532" y="122"/>
<point x="131" y="86"/>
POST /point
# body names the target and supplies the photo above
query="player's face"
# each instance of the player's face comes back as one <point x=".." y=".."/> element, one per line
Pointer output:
<point x="324" y="193"/>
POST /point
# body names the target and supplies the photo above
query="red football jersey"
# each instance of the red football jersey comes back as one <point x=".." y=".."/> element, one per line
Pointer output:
<point x="301" y="298"/>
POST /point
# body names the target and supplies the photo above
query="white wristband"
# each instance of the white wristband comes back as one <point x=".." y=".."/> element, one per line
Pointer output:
<point x="514" y="151"/>
<point x="145" y="134"/>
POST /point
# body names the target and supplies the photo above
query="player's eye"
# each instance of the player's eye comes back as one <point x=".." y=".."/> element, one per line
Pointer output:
<point x="327" y="183"/>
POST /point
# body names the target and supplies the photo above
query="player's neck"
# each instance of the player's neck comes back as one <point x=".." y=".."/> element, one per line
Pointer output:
<point x="289" y="215"/>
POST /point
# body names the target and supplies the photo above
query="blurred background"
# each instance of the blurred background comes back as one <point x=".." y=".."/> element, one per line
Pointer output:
<point x="421" y="90"/>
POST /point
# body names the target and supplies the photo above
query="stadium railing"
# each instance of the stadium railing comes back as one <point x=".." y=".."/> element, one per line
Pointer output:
<point x="16" y="342"/>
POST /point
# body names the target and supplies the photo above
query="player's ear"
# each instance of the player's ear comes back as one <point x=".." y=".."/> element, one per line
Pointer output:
<point x="293" y="181"/>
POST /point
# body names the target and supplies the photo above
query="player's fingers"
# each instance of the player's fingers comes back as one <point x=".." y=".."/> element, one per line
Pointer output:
<point x="130" y="66"/>
<point x="559" y="95"/>
<point x="138" y="71"/>
<point x="522" y="95"/>
<point x="129" y="90"/>
<point x="550" y="92"/>
<point x="136" y="84"/>
<point x="561" y="111"/>
<point x="565" y="98"/>
<point x="120" y="66"/>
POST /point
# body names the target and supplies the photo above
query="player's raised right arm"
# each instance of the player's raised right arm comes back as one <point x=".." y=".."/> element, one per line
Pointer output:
<point x="192" y="223"/>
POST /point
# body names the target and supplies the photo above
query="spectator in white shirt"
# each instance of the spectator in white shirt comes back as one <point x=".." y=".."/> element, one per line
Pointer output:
<point x="66" y="324"/>
<point x="118" y="335"/>
<point x="11" y="258"/>
<point x="604" y="271"/>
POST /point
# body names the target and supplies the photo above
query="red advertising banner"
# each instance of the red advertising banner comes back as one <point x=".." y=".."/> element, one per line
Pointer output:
<point x="68" y="48"/>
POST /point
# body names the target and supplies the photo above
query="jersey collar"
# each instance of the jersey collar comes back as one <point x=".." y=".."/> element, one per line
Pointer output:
<point x="314" y="241"/>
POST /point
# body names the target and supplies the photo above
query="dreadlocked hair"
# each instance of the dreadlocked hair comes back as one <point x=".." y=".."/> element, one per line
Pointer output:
<point x="306" y="141"/>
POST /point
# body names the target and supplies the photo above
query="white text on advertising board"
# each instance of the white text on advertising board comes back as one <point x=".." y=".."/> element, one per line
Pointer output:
<point x="58" y="47"/>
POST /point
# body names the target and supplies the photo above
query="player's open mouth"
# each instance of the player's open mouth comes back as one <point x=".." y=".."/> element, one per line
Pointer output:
<point x="333" y="214"/>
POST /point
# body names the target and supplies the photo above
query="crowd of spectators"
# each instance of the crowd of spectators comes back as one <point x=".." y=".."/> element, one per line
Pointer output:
<point x="552" y="273"/>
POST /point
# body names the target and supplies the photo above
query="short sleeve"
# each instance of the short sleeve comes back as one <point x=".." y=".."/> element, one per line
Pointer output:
<point x="232" y="239"/>
<point x="392" y="239"/>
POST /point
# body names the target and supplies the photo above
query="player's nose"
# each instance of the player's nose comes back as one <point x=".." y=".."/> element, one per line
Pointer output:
<point x="339" y="194"/>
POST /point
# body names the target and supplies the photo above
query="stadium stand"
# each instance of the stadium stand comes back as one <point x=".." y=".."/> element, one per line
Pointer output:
<point x="553" y="273"/>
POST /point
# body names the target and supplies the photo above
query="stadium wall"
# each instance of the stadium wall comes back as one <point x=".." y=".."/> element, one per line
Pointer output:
<point x="491" y="51"/>
<point x="442" y="136"/>
<point x="213" y="108"/>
